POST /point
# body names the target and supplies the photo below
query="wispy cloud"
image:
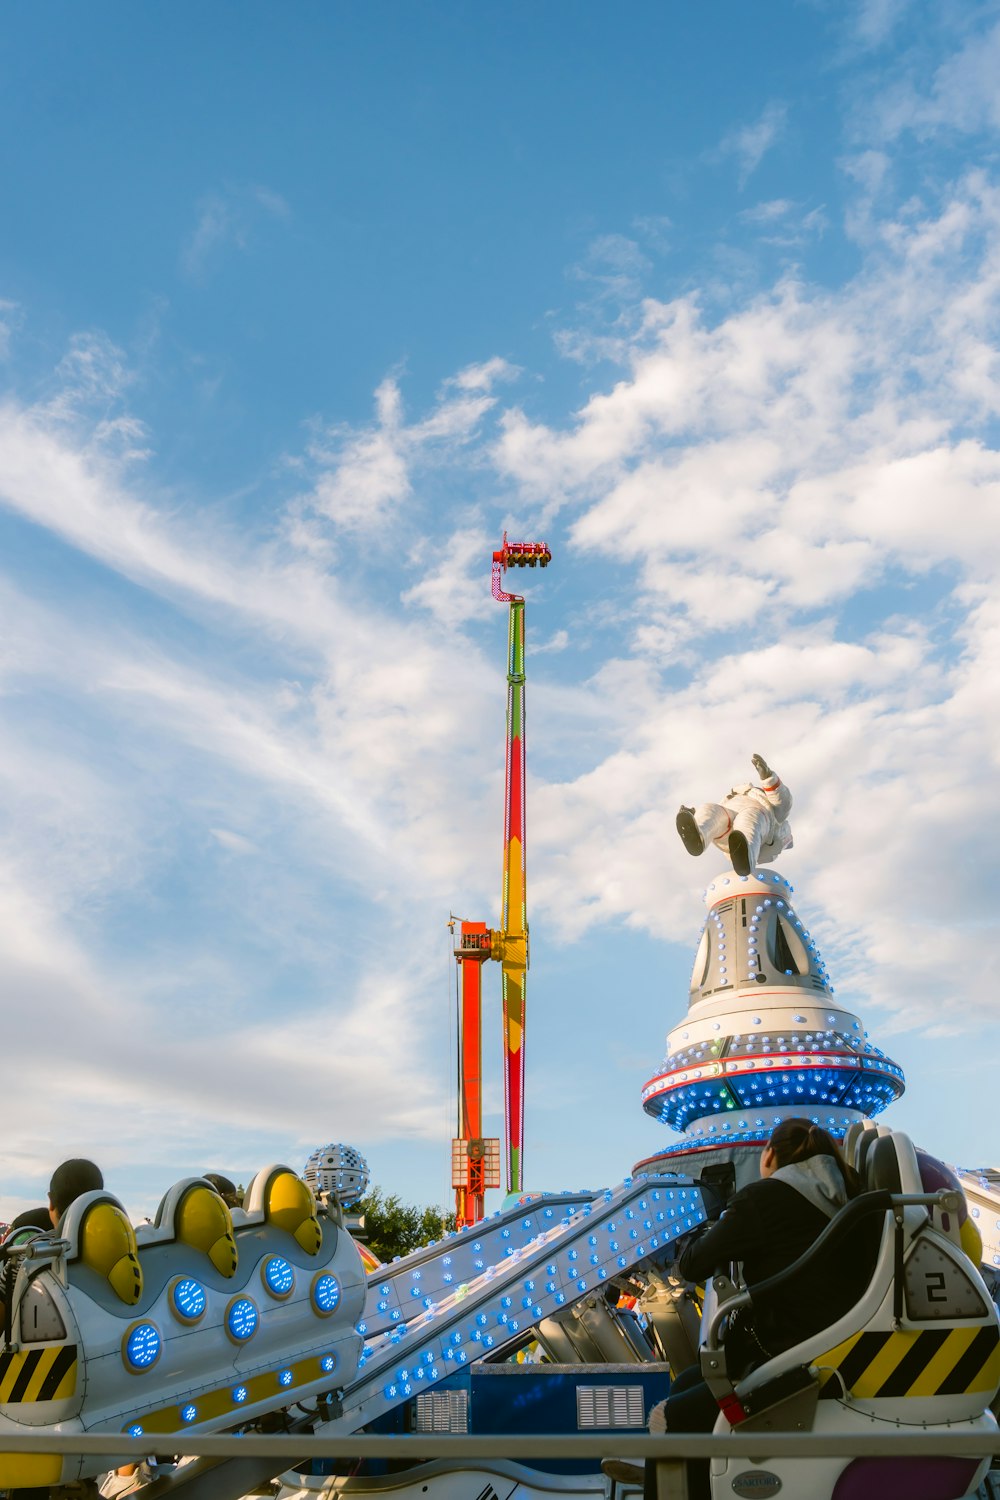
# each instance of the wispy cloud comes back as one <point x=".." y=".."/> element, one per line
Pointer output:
<point x="875" y="21"/>
<point x="613" y="268"/>
<point x="362" y="476"/>
<point x="781" y="222"/>
<point x="942" y="87"/>
<point x="749" y="144"/>
<point x="9" y="316"/>
<point x="226" y="219"/>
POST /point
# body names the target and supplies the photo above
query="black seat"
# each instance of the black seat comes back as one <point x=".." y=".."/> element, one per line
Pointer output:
<point x="862" y="1147"/>
<point x="882" y="1165"/>
<point x="831" y="1278"/>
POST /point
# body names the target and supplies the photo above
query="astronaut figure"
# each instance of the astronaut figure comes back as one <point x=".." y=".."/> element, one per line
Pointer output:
<point x="749" y="825"/>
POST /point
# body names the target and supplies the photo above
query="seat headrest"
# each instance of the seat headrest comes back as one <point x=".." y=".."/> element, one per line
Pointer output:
<point x="285" y="1200"/>
<point x="202" y="1219"/>
<point x="862" y="1146"/>
<point x="105" y="1241"/>
<point x="882" y="1166"/>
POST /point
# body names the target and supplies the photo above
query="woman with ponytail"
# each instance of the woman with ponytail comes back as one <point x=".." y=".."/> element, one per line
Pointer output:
<point x="767" y="1225"/>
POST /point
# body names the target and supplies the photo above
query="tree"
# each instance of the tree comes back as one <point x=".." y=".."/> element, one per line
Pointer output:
<point x="395" y="1228"/>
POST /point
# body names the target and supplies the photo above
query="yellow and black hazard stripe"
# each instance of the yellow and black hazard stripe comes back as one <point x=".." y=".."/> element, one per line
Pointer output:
<point x="914" y="1362"/>
<point x="38" y="1375"/>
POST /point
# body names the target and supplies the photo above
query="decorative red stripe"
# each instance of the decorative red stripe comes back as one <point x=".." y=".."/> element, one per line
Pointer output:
<point x="515" y="790"/>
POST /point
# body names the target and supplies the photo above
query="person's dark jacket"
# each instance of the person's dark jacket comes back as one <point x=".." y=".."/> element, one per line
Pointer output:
<point x="767" y="1226"/>
<point x="19" y="1231"/>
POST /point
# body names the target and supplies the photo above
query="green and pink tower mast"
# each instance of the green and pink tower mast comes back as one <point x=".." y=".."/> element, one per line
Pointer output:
<point x="475" y="1160"/>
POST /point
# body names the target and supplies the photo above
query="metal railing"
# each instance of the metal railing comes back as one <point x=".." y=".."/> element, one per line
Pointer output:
<point x="895" y="1442"/>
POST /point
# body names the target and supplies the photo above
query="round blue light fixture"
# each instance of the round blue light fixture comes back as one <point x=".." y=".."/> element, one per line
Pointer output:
<point x="239" y="1394"/>
<point x="325" y="1293"/>
<point x="141" y="1346"/>
<point x="328" y="1363"/>
<point x="278" y="1276"/>
<point x="189" y="1412"/>
<point x="242" y="1319"/>
<point x="188" y="1299"/>
<point x="285" y="1377"/>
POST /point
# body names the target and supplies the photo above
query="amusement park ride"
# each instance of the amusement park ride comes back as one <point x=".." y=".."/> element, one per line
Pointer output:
<point x="475" y="1159"/>
<point x="214" y="1320"/>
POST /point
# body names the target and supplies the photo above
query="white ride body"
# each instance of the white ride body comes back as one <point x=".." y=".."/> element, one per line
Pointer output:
<point x="74" y="1311"/>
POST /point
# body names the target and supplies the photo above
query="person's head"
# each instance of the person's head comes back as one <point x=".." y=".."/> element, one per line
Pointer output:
<point x="69" y="1180"/>
<point x="31" y="1218"/>
<point x="225" y="1188"/>
<point x="797" y="1140"/>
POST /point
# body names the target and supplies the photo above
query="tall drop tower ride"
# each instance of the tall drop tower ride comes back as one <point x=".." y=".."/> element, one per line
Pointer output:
<point x="475" y="1164"/>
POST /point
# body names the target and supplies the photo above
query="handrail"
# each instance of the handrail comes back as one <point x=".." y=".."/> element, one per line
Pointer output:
<point x="901" y="1442"/>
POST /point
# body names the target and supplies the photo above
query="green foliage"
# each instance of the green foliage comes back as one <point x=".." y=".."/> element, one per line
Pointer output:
<point x="395" y="1228"/>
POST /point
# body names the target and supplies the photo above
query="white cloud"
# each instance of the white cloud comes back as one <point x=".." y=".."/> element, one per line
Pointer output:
<point x="364" y="476"/>
<point x="9" y="318"/>
<point x="768" y="212"/>
<point x="798" y="443"/>
<point x="614" y="267"/>
<point x="558" y="641"/>
<point x="227" y="218"/>
<point x="235" y="843"/>
<point x="454" y="571"/>
<point x="751" y="143"/>
<point x="938" y="88"/>
<point x="876" y="20"/>
<point x="484" y="376"/>
<point x="215" y="227"/>
<point x="785" y="224"/>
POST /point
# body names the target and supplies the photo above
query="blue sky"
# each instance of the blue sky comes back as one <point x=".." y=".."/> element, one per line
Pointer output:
<point x="299" y="308"/>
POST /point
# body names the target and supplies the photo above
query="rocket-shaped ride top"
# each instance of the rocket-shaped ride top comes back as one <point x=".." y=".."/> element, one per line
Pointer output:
<point x="764" y="1037"/>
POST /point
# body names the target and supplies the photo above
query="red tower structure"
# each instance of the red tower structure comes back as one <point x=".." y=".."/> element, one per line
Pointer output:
<point x="475" y="1160"/>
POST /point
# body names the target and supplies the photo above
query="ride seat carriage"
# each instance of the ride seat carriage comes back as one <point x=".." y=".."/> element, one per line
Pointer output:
<point x="909" y="1339"/>
<point x="198" y="1321"/>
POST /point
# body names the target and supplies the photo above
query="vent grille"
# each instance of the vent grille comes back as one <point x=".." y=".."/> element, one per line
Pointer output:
<point x="442" y="1411"/>
<point x="609" y="1406"/>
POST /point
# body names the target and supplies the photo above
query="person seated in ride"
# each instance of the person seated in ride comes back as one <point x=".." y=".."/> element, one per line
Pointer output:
<point x="226" y="1189"/>
<point x="767" y="1225"/>
<point x="69" y="1180"/>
